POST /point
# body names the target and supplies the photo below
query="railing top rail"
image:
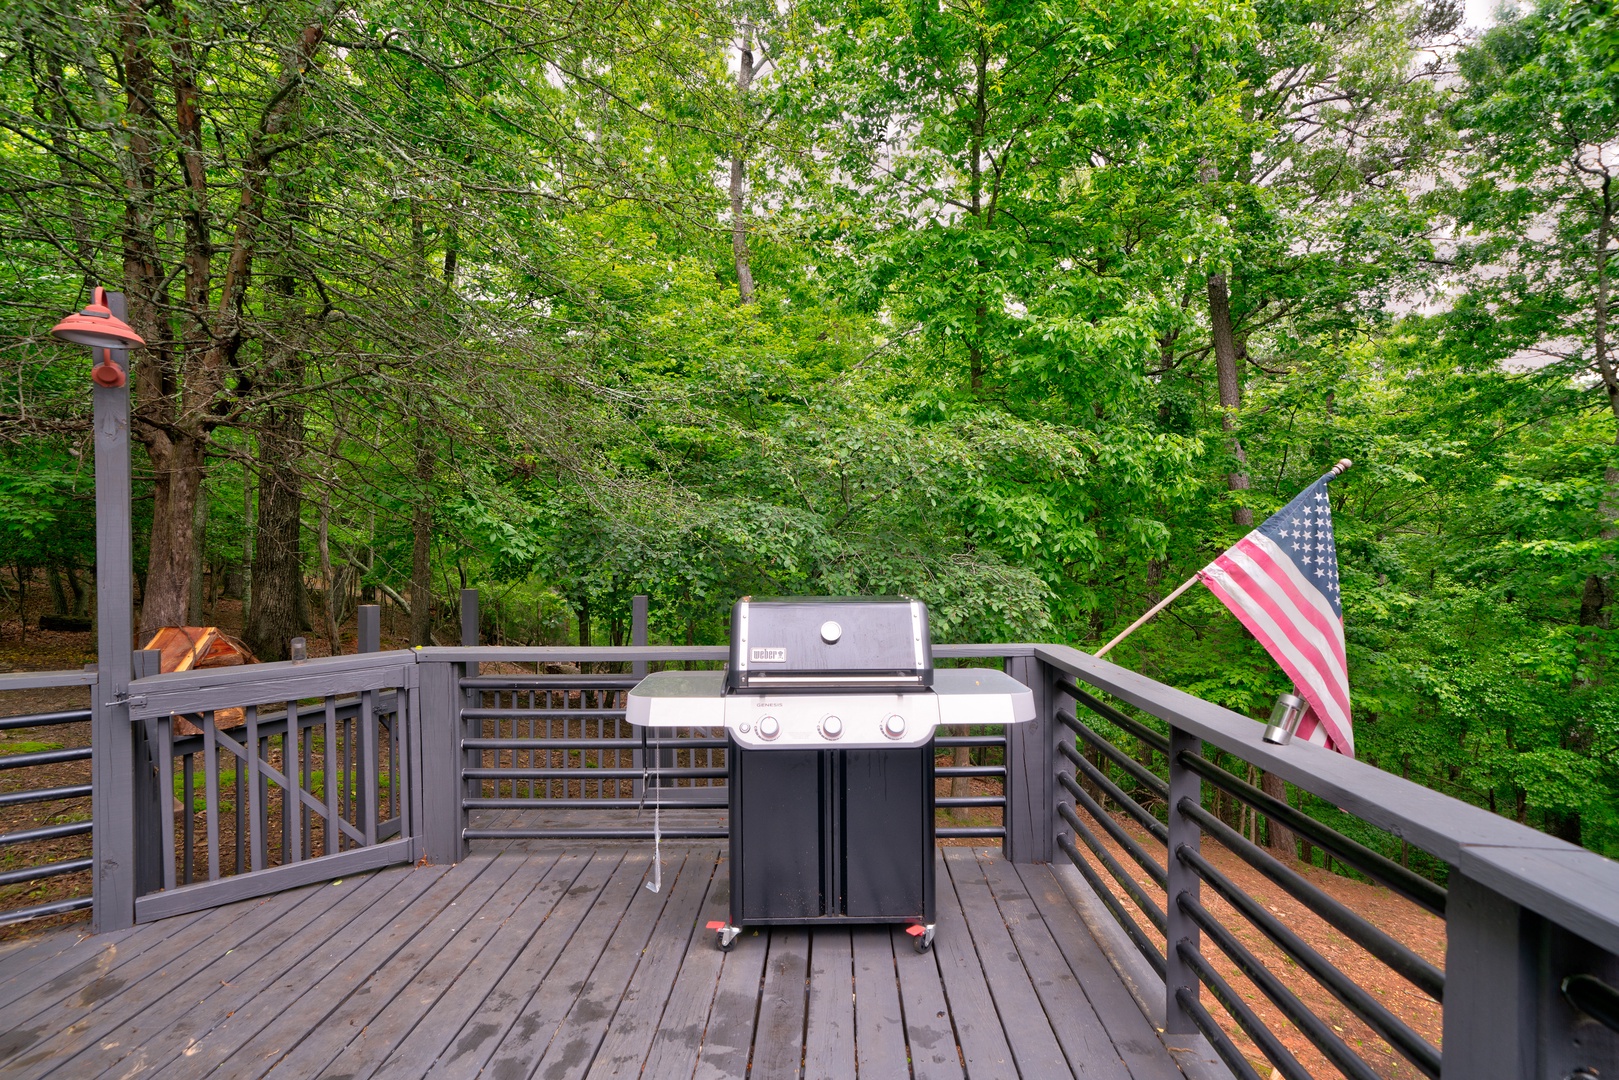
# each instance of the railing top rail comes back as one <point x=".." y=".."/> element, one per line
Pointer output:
<point x="45" y="680"/>
<point x="1567" y="884"/>
<point x="209" y="688"/>
<point x="562" y="654"/>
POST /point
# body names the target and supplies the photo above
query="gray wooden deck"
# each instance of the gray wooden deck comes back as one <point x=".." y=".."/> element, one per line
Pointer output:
<point x="550" y="960"/>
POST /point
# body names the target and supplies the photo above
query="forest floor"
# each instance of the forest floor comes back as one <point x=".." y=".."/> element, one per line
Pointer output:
<point x="37" y="650"/>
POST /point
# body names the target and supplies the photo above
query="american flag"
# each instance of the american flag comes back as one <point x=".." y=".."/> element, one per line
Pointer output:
<point x="1281" y="581"/>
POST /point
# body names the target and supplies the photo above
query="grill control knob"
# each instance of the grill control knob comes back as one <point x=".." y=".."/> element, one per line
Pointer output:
<point x="831" y="727"/>
<point x="894" y="726"/>
<point x="769" y="727"/>
<point x="831" y="632"/>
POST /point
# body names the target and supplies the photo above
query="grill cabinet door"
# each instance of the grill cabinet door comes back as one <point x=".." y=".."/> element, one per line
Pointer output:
<point x="780" y="814"/>
<point x="888" y="833"/>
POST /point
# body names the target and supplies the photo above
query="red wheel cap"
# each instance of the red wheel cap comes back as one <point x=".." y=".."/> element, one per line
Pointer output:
<point x="716" y="926"/>
<point x="916" y="930"/>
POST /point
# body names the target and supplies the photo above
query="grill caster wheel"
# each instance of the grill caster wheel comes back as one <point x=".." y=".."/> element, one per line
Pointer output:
<point x="724" y="936"/>
<point x="921" y="937"/>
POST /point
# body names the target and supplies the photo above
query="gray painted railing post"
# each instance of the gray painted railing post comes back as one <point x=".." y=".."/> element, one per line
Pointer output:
<point x="1031" y="779"/>
<point x="113" y="807"/>
<point x="638" y="619"/>
<point x="369" y="636"/>
<point x="1489" y="994"/>
<point x="439" y="708"/>
<point x="149" y="791"/>
<point x="638" y="668"/>
<point x="1183" y="832"/>
<point x="469" y="639"/>
<point x="1506" y="1013"/>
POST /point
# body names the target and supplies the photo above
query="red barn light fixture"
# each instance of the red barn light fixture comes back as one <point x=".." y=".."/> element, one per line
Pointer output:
<point x="97" y="327"/>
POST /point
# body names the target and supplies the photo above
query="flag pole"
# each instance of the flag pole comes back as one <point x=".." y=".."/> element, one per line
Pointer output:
<point x="1155" y="609"/>
<point x="1336" y="471"/>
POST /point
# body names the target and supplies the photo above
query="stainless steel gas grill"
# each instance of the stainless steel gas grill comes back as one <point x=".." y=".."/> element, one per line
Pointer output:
<point x="830" y="707"/>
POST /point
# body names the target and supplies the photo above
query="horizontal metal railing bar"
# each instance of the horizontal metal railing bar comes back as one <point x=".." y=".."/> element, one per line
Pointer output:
<point x="1142" y="774"/>
<point x="1394" y="1031"/>
<point x="524" y="682"/>
<point x="588" y="774"/>
<point x="1096" y="776"/>
<point x="668" y="833"/>
<point x="969" y="740"/>
<point x="1400" y="958"/>
<point x="39" y="795"/>
<point x="1309" y="1024"/>
<point x="47" y="680"/>
<point x="1147" y="904"/>
<point x="49" y="719"/>
<point x="571" y="654"/>
<point x="545" y="714"/>
<point x="40" y="911"/>
<point x="1113" y="715"/>
<point x="620" y="745"/>
<point x="1562" y="882"/>
<point x="1269" y="1045"/>
<point x="1132" y="928"/>
<point x="1111" y="827"/>
<point x="969" y="770"/>
<point x="652" y="654"/>
<point x="45" y="757"/>
<point x="946" y="801"/>
<point x="967" y="832"/>
<point x="45" y="870"/>
<point x="1385" y="871"/>
<point x="48" y="832"/>
<point x="615" y="803"/>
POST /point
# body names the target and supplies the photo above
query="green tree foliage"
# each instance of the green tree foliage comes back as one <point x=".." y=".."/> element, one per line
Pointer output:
<point x="1020" y="308"/>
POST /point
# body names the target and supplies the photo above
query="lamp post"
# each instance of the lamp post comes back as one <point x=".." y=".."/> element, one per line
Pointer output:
<point x="101" y="326"/>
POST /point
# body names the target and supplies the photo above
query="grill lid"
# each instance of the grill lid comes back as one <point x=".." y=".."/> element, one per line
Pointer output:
<point x="821" y="643"/>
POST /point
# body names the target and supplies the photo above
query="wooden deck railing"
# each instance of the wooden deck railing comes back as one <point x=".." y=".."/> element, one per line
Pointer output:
<point x="347" y="763"/>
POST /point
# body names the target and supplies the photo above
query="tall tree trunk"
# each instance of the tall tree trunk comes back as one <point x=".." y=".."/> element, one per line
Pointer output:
<point x="421" y="528"/>
<point x="1281" y="841"/>
<point x="329" y="583"/>
<point x="199" y="551"/>
<point x="277" y="568"/>
<point x="745" y="72"/>
<point x="1225" y="363"/>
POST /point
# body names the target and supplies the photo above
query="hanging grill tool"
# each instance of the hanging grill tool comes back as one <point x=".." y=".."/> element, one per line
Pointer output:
<point x="830" y="706"/>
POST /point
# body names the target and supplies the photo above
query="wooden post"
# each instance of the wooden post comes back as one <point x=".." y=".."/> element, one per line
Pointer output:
<point x="113" y="806"/>
<point x="470" y="728"/>
<point x="1031" y="751"/>
<point x="369" y="638"/>
<point x="438" y="710"/>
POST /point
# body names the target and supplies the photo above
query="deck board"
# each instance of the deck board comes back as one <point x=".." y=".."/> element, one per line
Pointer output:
<point x="551" y="959"/>
<point x="175" y="1022"/>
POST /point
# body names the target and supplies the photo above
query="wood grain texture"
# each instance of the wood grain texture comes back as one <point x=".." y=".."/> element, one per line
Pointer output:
<point x="540" y="960"/>
<point x="829" y="1027"/>
<point x="461" y="1001"/>
<point x="1084" y="1041"/>
<point x="1028" y="1029"/>
<point x="176" y="1022"/>
<point x="649" y="996"/>
<point x="984" y="1046"/>
<point x="1134" y="1038"/>
<point x="929" y="1033"/>
<point x="292" y="1006"/>
<point x="679" y="1034"/>
<point x="520" y="1019"/>
<point x="879" y="1019"/>
<point x="779" y="1039"/>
